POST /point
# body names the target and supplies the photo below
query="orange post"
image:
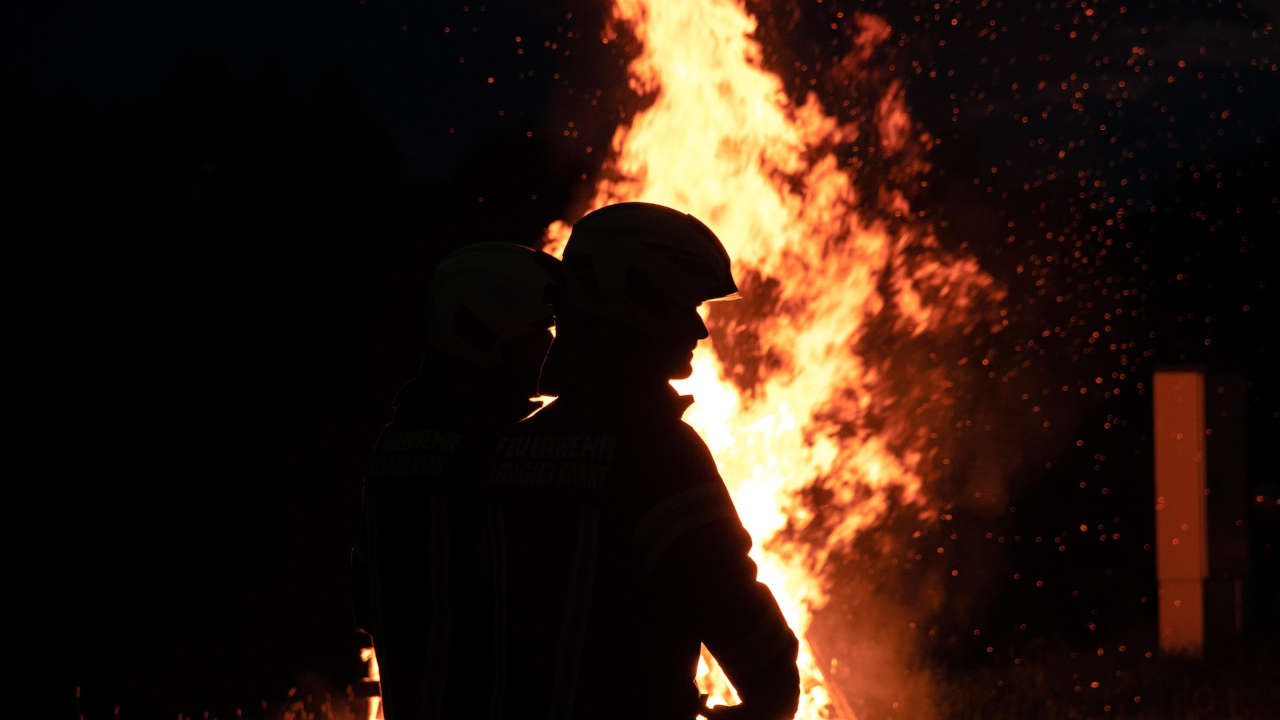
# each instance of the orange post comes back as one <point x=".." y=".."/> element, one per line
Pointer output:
<point x="1182" y="559"/>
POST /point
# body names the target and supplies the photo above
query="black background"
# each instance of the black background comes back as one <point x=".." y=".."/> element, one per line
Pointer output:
<point x="221" y="215"/>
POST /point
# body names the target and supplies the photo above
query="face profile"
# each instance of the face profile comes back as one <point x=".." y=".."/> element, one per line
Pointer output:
<point x="635" y="275"/>
<point x="685" y="329"/>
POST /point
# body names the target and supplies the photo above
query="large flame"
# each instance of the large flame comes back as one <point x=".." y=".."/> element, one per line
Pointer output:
<point x="722" y="141"/>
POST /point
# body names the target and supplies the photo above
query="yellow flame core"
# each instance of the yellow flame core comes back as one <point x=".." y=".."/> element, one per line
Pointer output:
<point x="723" y="142"/>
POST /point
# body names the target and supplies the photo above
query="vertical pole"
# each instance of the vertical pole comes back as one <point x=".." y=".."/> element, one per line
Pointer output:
<point x="1181" y="542"/>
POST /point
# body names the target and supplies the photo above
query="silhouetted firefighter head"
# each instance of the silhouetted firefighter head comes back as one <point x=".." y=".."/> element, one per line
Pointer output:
<point x="635" y="274"/>
<point x="489" y="311"/>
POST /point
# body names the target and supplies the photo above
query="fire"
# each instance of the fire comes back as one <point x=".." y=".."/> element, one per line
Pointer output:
<point x="723" y="142"/>
<point x="374" y="708"/>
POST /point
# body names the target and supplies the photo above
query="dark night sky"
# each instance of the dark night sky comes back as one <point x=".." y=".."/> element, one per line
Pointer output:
<point x="228" y="210"/>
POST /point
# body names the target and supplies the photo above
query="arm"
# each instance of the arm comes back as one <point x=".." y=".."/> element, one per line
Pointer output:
<point x="695" y="543"/>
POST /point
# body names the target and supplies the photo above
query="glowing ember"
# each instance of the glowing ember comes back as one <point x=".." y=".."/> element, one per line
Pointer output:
<point x="722" y="141"/>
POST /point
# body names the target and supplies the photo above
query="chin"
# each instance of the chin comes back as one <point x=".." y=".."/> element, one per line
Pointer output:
<point x="681" y="372"/>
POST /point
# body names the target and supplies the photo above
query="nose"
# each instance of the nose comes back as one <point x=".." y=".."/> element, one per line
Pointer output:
<point x="699" y="327"/>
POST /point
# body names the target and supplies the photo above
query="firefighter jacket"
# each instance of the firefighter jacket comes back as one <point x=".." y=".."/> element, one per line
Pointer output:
<point x="408" y="550"/>
<point x="613" y="552"/>
<point x="421" y="528"/>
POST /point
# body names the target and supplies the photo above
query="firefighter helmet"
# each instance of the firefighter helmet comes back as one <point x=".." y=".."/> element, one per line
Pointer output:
<point x="631" y="261"/>
<point x="488" y="293"/>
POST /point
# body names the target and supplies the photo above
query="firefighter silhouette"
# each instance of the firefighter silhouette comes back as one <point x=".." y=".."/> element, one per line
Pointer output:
<point x="612" y="547"/>
<point x="489" y="311"/>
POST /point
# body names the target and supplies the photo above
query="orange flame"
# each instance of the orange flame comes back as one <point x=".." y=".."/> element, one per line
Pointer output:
<point x="374" y="708"/>
<point x="723" y="142"/>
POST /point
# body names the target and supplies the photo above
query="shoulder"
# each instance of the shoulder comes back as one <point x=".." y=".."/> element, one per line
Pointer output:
<point x="690" y="442"/>
<point x="686" y="507"/>
<point x="673" y="447"/>
<point x="679" y="475"/>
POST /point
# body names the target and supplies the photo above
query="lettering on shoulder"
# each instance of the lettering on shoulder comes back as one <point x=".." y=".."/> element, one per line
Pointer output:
<point x="414" y="454"/>
<point x="568" y="461"/>
<point x="600" y="448"/>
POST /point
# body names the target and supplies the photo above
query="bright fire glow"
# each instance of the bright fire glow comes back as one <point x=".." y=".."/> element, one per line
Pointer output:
<point x="723" y="142"/>
<point x="374" y="710"/>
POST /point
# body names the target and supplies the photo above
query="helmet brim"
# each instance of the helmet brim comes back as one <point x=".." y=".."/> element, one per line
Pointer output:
<point x="735" y="295"/>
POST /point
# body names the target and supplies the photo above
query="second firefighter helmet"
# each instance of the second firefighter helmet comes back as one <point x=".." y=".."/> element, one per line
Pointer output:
<point x="486" y="294"/>
<point x="631" y="262"/>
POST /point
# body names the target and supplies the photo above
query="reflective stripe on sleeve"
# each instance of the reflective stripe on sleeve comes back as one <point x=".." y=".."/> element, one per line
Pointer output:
<point x="498" y="568"/>
<point x="659" y="515"/>
<point x="577" y="612"/>
<point x="441" y="626"/>
<point x="683" y="512"/>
